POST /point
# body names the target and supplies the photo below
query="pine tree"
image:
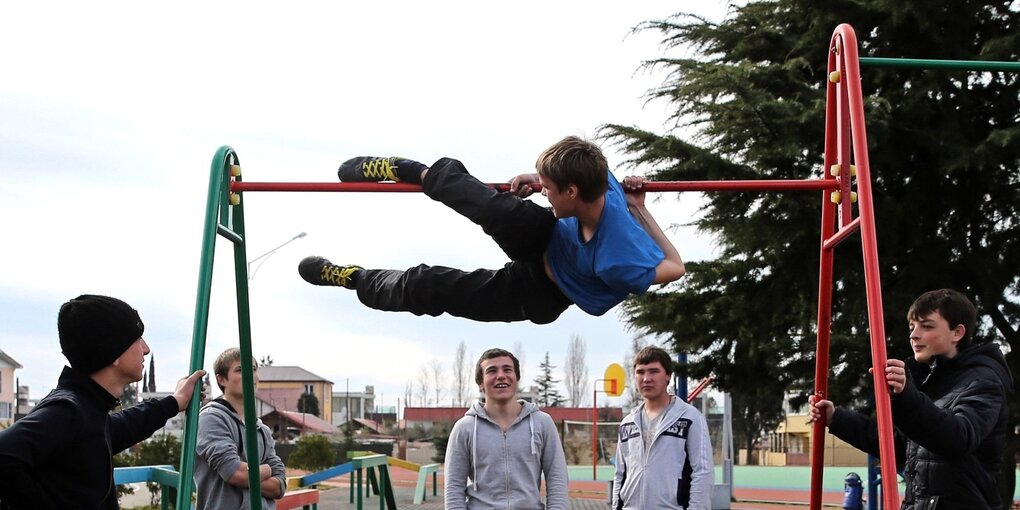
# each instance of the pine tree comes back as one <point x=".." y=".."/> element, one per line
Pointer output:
<point x="944" y="148"/>
<point x="151" y="388"/>
<point x="548" y="395"/>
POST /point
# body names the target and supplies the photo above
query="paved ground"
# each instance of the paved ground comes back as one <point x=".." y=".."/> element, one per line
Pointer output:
<point x="583" y="496"/>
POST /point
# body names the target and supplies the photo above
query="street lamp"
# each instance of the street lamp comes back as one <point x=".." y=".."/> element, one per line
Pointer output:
<point x="265" y="256"/>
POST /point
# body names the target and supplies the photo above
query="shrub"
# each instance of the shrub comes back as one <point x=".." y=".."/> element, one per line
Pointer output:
<point x="313" y="452"/>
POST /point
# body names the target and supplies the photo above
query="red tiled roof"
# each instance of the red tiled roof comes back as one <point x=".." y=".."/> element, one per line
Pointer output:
<point x="371" y="425"/>
<point x="434" y="414"/>
<point x="273" y="373"/>
<point x="285" y="399"/>
<point x="307" y="421"/>
<point x="558" y="414"/>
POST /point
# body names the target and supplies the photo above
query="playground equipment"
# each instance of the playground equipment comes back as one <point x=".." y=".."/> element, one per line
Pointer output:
<point x="846" y="164"/>
<point x="370" y="474"/>
<point x="846" y="157"/>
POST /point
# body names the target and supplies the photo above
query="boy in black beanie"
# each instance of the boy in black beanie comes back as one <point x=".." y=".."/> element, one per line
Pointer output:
<point x="61" y="454"/>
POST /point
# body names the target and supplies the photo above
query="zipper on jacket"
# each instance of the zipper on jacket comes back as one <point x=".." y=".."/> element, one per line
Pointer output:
<point x="506" y="470"/>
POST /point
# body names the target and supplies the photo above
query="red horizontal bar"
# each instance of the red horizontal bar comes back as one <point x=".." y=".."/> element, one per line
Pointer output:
<point x="651" y="186"/>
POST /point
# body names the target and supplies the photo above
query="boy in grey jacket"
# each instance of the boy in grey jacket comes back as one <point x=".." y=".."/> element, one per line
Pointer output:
<point x="221" y="473"/>
<point x="664" y="454"/>
<point x="501" y="448"/>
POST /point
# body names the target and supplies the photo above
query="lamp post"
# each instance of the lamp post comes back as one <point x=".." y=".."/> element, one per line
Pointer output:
<point x="265" y="256"/>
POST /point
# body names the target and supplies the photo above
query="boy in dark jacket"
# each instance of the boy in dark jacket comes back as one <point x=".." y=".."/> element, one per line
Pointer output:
<point x="60" y="456"/>
<point x="948" y="407"/>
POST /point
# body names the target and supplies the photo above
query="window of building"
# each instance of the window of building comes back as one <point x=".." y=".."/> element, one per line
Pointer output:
<point x="309" y="388"/>
<point x="5" y="411"/>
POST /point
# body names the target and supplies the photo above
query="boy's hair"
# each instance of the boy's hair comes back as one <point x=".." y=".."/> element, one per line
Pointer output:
<point x="952" y="305"/>
<point x="578" y="162"/>
<point x="495" y="353"/>
<point x="222" y="364"/>
<point x="651" y="354"/>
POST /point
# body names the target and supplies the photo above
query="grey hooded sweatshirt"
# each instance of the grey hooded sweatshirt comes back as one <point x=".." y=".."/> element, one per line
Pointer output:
<point x="220" y="449"/>
<point x="487" y="468"/>
<point x="656" y="478"/>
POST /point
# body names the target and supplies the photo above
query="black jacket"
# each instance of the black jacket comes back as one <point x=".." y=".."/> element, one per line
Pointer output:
<point x="60" y="456"/>
<point x="950" y="421"/>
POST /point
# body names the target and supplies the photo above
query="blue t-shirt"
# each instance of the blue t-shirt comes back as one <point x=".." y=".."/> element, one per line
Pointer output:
<point x="619" y="259"/>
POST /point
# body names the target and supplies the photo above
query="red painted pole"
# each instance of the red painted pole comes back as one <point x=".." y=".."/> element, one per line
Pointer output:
<point x="824" y="296"/>
<point x="872" y="280"/>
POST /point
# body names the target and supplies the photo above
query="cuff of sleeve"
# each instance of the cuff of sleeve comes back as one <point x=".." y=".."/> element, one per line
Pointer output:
<point x="228" y="469"/>
<point x="835" y="426"/>
<point x="169" y="406"/>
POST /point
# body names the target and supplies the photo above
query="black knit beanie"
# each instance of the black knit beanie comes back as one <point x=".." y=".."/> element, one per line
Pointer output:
<point x="95" y="330"/>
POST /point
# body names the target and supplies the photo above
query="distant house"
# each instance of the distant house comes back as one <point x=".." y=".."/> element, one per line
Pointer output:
<point x="8" y="393"/>
<point x="790" y="444"/>
<point x="361" y="404"/>
<point x="296" y="424"/>
<point x="282" y="386"/>
<point x="175" y="426"/>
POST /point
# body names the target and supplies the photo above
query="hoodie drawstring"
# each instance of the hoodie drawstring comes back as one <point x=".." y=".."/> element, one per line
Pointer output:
<point x="474" y="455"/>
<point x="531" y="425"/>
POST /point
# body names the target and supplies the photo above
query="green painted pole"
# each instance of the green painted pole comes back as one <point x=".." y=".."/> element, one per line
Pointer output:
<point x="247" y="375"/>
<point x="962" y="65"/>
<point x="217" y="197"/>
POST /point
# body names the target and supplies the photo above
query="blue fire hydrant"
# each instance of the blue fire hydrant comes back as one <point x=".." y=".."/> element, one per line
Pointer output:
<point x="853" y="492"/>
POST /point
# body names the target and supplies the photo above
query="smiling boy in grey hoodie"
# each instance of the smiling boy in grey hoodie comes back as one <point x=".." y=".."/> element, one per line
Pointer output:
<point x="500" y="449"/>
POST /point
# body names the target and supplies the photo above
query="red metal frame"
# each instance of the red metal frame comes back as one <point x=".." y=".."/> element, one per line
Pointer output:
<point x="846" y="149"/>
<point x="699" y="388"/>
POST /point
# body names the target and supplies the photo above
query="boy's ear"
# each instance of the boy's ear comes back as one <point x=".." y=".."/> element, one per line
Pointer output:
<point x="572" y="191"/>
<point x="959" y="331"/>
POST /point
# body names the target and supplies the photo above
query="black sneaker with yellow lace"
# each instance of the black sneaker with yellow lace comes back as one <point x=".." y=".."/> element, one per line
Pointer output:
<point x="319" y="271"/>
<point x="371" y="169"/>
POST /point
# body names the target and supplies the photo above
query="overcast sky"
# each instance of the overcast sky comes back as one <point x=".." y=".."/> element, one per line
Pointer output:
<point x="110" y="114"/>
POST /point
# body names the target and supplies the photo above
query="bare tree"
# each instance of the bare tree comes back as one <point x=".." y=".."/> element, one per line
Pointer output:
<point x="438" y="379"/>
<point x="408" y="393"/>
<point x="424" y="385"/>
<point x="575" y="369"/>
<point x="460" y="375"/>
<point x="519" y="352"/>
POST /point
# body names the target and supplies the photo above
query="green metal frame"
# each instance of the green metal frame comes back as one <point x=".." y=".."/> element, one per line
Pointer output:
<point x="228" y="221"/>
<point x="164" y="476"/>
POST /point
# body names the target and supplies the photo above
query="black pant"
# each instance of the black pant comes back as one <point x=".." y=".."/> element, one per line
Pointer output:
<point x="519" y="291"/>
